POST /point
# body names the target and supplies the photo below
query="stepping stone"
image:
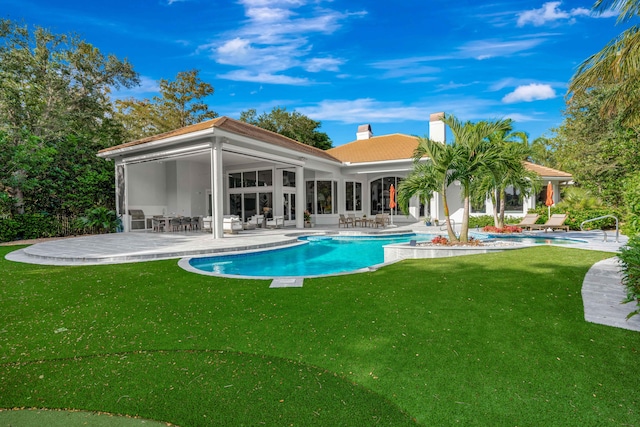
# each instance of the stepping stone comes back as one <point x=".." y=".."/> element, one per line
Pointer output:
<point x="287" y="282"/>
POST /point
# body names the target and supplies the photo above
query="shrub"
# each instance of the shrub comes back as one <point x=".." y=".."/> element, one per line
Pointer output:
<point x="630" y="260"/>
<point x="632" y="205"/>
<point x="28" y="226"/>
<point x="505" y="229"/>
<point x="440" y="240"/>
<point x="485" y="220"/>
<point x="100" y="218"/>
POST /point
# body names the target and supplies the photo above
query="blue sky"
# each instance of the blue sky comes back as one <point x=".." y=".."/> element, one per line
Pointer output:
<point x="345" y="63"/>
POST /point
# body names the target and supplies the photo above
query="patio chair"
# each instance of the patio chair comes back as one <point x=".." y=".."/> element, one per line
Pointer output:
<point x="174" y="224"/>
<point x="185" y="223"/>
<point x="527" y="221"/>
<point x="231" y="224"/>
<point x="195" y="223"/>
<point x="345" y="221"/>
<point x="158" y="224"/>
<point x="556" y="222"/>
<point x="275" y="222"/>
<point x="380" y="220"/>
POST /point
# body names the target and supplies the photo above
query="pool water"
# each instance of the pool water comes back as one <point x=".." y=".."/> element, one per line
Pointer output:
<point x="320" y="255"/>
<point x="325" y="255"/>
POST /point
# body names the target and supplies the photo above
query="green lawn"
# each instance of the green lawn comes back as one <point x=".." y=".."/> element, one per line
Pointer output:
<point x="496" y="339"/>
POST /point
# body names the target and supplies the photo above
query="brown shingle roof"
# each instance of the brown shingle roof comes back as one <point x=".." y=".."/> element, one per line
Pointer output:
<point x="396" y="146"/>
<point x="233" y="126"/>
<point x="545" y="171"/>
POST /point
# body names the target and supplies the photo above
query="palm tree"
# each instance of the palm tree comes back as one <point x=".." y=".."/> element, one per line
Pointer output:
<point x="476" y="157"/>
<point x="426" y="178"/>
<point x="466" y="159"/>
<point x="616" y="67"/>
<point x="513" y="148"/>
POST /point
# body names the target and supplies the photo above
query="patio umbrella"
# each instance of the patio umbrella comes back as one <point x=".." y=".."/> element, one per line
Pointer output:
<point x="392" y="200"/>
<point x="549" y="201"/>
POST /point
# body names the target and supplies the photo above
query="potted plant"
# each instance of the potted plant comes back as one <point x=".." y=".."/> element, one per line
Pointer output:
<point x="307" y="219"/>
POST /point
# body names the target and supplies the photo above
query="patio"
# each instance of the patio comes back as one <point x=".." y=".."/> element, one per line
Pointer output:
<point x="144" y="246"/>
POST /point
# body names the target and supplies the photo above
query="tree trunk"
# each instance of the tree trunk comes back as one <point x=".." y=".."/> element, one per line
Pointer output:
<point x="503" y="204"/>
<point x="464" y="230"/>
<point x="494" y="202"/>
<point x="450" y="232"/>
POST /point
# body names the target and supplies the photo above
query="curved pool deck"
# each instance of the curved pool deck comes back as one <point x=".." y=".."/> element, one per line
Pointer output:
<point x="145" y="246"/>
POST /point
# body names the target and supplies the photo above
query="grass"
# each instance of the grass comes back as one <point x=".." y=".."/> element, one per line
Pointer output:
<point x="496" y="339"/>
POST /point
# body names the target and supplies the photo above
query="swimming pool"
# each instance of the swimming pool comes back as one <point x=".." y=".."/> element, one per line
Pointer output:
<point x="322" y="255"/>
<point x="317" y="255"/>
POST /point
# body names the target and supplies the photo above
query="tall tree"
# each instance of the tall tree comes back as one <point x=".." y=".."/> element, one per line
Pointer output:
<point x="54" y="89"/>
<point x="434" y="176"/>
<point x="290" y="124"/>
<point x="616" y="67"/>
<point x="600" y="152"/>
<point x="179" y="105"/>
<point x="509" y="172"/>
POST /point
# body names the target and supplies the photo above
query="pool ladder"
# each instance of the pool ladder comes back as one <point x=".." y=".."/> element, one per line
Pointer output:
<point x="605" y="233"/>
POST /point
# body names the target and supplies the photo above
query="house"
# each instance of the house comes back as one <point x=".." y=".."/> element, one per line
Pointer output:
<point x="227" y="167"/>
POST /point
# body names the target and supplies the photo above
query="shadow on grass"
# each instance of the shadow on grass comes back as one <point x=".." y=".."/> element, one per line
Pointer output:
<point x="198" y="388"/>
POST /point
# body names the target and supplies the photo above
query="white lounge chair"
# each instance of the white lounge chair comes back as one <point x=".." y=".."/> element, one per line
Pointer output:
<point x="275" y="222"/>
<point x="231" y="224"/>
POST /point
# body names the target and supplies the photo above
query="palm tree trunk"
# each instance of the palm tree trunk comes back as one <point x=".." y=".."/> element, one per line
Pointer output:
<point x="464" y="230"/>
<point x="450" y="232"/>
<point x="494" y="200"/>
<point x="503" y="204"/>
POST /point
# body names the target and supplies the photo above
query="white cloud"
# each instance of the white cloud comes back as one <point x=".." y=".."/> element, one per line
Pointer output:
<point x="550" y="12"/>
<point x="530" y="92"/>
<point x="484" y="49"/>
<point x="278" y="79"/>
<point x="364" y="110"/>
<point x="276" y="37"/>
<point x="315" y="65"/>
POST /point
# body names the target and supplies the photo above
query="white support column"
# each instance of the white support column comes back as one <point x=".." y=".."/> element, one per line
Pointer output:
<point x="300" y="200"/>
<point x="122" y="191"/>
<point x="217" y="189"/>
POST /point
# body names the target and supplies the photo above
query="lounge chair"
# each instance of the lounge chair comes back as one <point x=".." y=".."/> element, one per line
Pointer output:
<point x="231" y="224"/>
<point x="556" y="222"/>
<point x="345" y="221"/>
<point x="527" y="221"/>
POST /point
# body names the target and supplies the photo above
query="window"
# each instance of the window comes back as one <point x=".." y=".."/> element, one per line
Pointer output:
<point x="311" y="194"/>
<point x="288" y="179"/>
<point x="235" y="180"/>
<point x="380" y="194"/>
<point x="249" y="179"/>
<point x="353" y="192"/>
<point x="513" y="200"/>
<point x="265" y="178"/>
<point x="322" y="197"/>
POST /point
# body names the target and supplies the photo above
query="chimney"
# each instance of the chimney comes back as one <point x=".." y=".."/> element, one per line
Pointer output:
<point x="364" y="132"/>
<point x="437" y="127"/>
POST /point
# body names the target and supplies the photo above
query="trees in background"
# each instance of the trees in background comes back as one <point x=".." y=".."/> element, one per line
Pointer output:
<point x="290" y="124"/>
<point x="179" y="105"/>
<point x="55" y="114"/>
<point x="616" y="68"/>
